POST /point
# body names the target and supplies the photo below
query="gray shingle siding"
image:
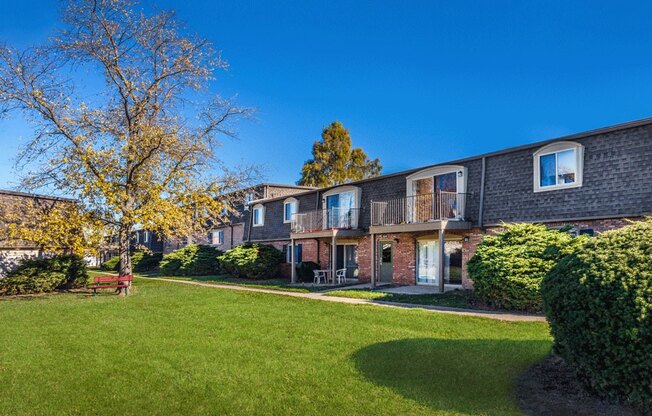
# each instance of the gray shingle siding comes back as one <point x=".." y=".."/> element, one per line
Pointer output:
<point x="617" y="181"/>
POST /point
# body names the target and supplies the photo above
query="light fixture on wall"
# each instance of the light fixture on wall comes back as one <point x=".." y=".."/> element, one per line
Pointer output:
<point x="466" y="239"/>
<point x="397" y="240"/>
<point x="460" y="174"/>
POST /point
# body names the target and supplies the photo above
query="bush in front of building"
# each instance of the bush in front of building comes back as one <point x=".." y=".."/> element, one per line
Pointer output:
<point x="59" y="272"/>
<point x="192" y="260"/>
<point x="141" y="261"/>
<point x="145" y="261"/>
<point x="252" y="261"/>
<point x="112" y="264"/>
<point x="508" y="267"/>
<point x="599" y="305"/>
<point x="305" y="271"/>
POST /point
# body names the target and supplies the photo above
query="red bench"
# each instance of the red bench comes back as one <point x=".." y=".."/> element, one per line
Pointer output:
<point x="112" y="282"/>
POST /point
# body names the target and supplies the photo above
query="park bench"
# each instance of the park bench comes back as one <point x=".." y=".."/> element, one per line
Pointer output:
<point x="112" y="282"/>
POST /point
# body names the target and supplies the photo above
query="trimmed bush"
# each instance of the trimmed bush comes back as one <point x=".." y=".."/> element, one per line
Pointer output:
<point x="192" y="260"/>
<point x="141" y="261"/>
<point x="253" y="261"/>
<point x="45" y="275"/>
<point x="599" y="305"/>
<point x="112" y="264"/>
<point x="305" y="271"/>
<point x="507" y="268"/>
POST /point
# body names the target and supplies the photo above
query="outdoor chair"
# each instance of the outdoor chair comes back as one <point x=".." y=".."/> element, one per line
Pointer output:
<point x="340" y="275"/>
<point x="319" y="275"/>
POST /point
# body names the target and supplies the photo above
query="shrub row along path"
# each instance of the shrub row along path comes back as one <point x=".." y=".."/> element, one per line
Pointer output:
<point x="503" y="316"/>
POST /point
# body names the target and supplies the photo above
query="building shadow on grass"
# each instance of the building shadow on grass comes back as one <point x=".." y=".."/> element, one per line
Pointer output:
<point x="472" y="376"/>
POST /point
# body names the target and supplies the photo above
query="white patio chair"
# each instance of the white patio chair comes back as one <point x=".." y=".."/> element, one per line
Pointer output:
<point x="319" y="274"/>
<point x="340" y="275"/>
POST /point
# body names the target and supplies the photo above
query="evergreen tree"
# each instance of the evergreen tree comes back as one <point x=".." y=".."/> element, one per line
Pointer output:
<point x="335" y="161"/>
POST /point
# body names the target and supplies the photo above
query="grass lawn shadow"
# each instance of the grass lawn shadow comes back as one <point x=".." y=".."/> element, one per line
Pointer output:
<point x="458" y="375"/>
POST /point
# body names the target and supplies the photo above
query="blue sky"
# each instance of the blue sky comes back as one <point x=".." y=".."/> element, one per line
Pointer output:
<point x="415" y="82"/>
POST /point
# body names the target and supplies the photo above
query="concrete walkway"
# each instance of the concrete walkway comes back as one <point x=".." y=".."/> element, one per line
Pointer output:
<point x="503" y="316"/>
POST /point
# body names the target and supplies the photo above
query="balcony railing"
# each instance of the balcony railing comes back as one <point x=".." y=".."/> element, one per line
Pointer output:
<point x="325" y="219"/>
<point x="418" y="209"/>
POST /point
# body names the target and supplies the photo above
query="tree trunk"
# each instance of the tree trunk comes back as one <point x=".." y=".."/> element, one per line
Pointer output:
<point x="123" y="253"/>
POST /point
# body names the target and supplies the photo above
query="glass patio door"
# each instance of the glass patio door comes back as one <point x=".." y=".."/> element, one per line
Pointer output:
<point x="427" y="262"/>
<point x="339" y="210"/>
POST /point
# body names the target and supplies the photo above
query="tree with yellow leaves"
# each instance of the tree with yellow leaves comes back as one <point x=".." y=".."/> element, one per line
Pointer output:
<point x="51" y="225"/>
<point x="137" y="152"/>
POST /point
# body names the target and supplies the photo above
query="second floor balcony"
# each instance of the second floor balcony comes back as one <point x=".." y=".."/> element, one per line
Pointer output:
<point x="419" y="209"/>
<point x="325" y="219"/>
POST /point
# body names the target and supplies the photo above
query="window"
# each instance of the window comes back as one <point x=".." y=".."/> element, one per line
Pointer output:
<point x="435" y="193"/>
<point x="341" y="207"/>
<point x="258" y="214"/>
<point x="145" y="236"/>
<point x="217" y="237"/>
<point x="247" y="200"/>
<point x="297" y="253"/>
<point x="557" y="166"/>
<point x="290" y="207"/>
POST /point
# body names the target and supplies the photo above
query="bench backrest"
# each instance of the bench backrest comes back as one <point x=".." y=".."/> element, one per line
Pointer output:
<point x="111" y="279"/>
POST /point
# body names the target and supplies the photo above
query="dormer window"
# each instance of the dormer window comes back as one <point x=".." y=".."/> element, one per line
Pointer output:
<point x="258" y="215"/>
<point x="290" y="207"/>
<point x="558" y="166"/>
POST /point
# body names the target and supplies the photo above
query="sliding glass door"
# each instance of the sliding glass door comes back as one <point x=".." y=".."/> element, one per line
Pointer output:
<point x="428" y="262"/>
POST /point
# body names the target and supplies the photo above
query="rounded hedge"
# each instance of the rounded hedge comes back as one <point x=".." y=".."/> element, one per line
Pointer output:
<point x="141" y="261"/>
<point x="254" y="261"/>
<point x="508" y="267"/>
<point x="192" y="260"/>
<point x="112" y="264"/>
<point x="45" y="275"/>
<point x="599" y="305"/>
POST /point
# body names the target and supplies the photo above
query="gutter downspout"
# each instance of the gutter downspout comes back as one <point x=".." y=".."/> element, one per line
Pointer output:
<point x="251" y="221"/>
<point x="482" y="182"/>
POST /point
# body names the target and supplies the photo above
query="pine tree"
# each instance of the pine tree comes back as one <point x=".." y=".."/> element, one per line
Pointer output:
<point x="335" y="162"/>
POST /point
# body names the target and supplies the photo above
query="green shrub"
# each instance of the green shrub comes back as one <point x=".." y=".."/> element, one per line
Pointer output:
<point x="599" y="305"/>
<point x="305" y="271"/>
<point x="112" y="264"/>
<point x="141" y="261"/>
<point x="508" y="267"/>
<point x="254" y="261"/>
<point x="192" y="260"/>
<point x="45" y="275"/>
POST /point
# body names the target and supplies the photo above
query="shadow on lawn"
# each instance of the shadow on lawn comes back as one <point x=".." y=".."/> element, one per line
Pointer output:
<point x="469" y="376"/>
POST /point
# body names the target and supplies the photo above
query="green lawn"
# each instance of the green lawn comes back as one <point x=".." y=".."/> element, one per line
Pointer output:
<point x="271" y="284"/>
<point x="171" y="348"/>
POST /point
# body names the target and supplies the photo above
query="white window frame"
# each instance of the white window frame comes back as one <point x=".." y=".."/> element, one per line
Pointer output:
<point x="357" y="195"/>
<point x="555" y="148"/>
<point x="295" y="203"/>
<point x="261" y="208"/>
<point x="145" y="236"/>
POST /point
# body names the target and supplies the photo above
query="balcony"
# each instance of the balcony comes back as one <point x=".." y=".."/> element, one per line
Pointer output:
<point x="419" y="212"/>
<point x="329" y="220"/>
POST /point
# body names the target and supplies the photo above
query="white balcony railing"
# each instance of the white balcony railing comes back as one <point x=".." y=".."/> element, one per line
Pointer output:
<point x="419" y="209"/>
<point x="326" y="219"/>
